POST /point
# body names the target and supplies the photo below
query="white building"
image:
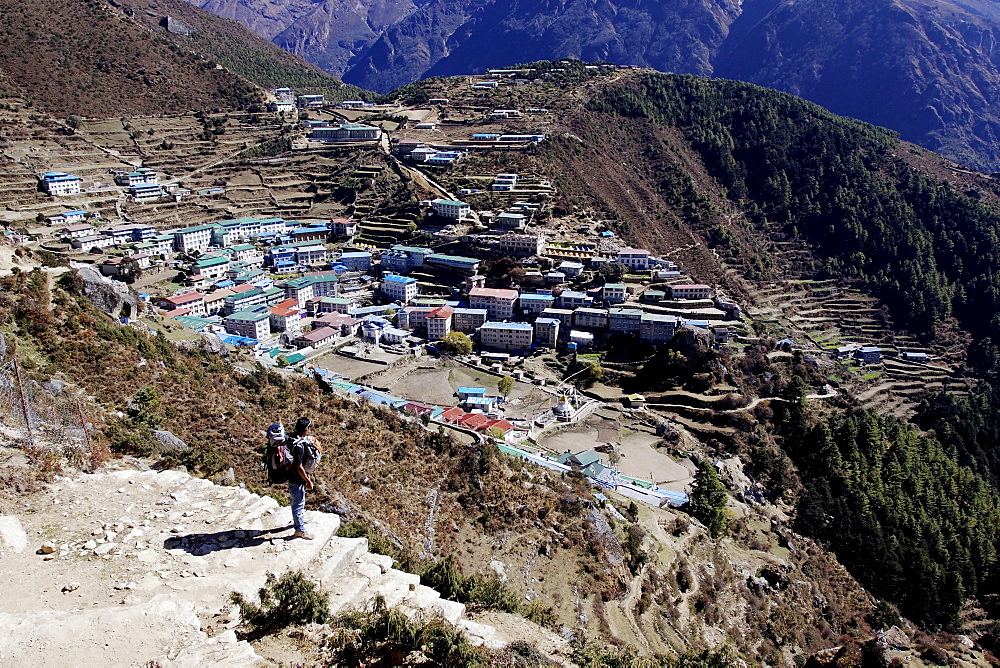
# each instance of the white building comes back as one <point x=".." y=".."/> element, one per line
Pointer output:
<point x="634" y="259"/>
<point x="58" y="184"/>
<point x="522" y="244"/>
<point x="193" y="238"/>
<point x="346" y="132"/>
<point x="399" y="288"/>
<point x="692" y="291"/>
<point x="438" y="322"/>
<point x="499" y="303"/>
<point x="449" y="208"/>
<point x="251" y="324"/>
<point x="506" y="335"/>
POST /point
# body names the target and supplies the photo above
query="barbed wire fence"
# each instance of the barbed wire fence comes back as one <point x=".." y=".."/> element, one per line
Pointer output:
<point x="47" y="423"/>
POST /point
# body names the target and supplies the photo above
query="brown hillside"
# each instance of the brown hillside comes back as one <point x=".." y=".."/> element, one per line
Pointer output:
<point x="233" y="46"/>
<point x="80" y="57"/>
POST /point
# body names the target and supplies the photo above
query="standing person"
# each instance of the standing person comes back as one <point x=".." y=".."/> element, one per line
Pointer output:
<point x="299" y="479"/>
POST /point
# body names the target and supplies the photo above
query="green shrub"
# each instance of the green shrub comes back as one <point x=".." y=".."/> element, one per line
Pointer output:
<point x="285" y="601"/>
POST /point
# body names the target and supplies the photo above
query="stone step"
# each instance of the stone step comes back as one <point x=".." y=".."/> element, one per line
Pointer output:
<point x="222" y="651"/>
<point x="338" y="555"/>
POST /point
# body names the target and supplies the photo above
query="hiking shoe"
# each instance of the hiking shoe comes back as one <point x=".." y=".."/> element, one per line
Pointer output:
<point x="303" y="534"/>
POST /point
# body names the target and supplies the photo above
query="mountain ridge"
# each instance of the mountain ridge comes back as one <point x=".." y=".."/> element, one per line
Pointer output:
<point x="924" y="68"/>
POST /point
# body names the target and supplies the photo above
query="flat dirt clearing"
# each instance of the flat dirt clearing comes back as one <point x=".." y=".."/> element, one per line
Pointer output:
<point x="638" y="457"/>
<point x="348" y="367"/>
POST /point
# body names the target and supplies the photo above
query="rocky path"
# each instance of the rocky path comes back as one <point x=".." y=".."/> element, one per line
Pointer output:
<point x="127" y="567"/>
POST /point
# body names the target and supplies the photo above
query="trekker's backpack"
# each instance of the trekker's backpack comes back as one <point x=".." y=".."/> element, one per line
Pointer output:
<point x="278" y="460"/>
<point x="311" y="454"/>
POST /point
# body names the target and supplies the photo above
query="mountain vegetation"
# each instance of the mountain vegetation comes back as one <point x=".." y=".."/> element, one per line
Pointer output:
<point x="916" y="527"/>
<point x="928" y="251"/>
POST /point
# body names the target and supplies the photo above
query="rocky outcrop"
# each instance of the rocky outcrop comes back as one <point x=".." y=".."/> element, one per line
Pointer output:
<point x="110" y="297"/>
<point x="168" y="442"/>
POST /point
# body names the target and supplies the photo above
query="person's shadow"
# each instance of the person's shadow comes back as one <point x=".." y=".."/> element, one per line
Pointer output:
<point x="200" y="544"/>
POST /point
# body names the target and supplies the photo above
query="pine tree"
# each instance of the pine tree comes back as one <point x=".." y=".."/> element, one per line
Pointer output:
<point x="708" y="500"/>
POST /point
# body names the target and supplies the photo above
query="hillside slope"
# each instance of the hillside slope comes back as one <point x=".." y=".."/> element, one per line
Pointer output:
<point x="83" y="57"/>
<point x="234" y="46"/>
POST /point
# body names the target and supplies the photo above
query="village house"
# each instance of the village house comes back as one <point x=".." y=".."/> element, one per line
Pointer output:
<point x="342" y="227"/>
<point x="399" y="288"/>
<point x="347" y="325"/>
<point x="563" y="315"/>
<point x="468" y="320"/>
<point x="634" y="259"/>
<point x="346" y="132"/>
<point x="58" y="184"/>
<point x="506" y="336"/>
<point x="286" y="317"/>
<point x="438" y="322"/>
<point x="570" y="268"/>
<point x="245" y="299"/>
<point x="193" y="238"/>
<point x="215" y="301"/>
<point x="656" y="328"/>
<point x="509" y="220"/>
<point x="317" y="338"/>
<point x="356" y="260"/>
<point x="522" y="244"/>
<point x="93" y="242"/>
<point x="499" y="303"/>
<point x="310" y="234"/>
<point x="533" y="304"/>
<point x="614" y="293"/>
<point x="132" y="232"/>
<point x="590" y="318"/>
<point x="210" y="267"/>
<point x="345" y="305"/>
<point x="310" y="255"/>
<point x="449" y="208"/>
<point x="546" y="332"/>
<point x="692" y="291"/>
<point x="572" y="299"/>
<point x="194" y="302"/>
<point x="68" y="217"/>
<point x="249" y="323"/>
<point x="414" y="318"/>
<point x="869" y="355"/>
<point x="624" y="320"/>
<point x="467" y="265"/>
<point x="147" y="192"/>
<point x="78" y="231"/>
<point x="402" y="259"/>
<point x="311" y="101"/>
<point x="580" y="338"/>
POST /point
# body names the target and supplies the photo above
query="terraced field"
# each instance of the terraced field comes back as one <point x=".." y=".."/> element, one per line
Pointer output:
<point x="820" y="316"/>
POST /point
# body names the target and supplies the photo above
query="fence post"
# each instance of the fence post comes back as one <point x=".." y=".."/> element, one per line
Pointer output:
<point x="83" y="425"/>
<point x="24" y="403"/>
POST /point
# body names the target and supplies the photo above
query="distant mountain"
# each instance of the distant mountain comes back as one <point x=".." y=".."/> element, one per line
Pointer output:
<point x="929" y="69"/>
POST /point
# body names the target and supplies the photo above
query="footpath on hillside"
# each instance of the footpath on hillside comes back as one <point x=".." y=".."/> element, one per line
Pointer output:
<point x="127" y="566"/>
